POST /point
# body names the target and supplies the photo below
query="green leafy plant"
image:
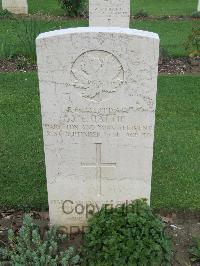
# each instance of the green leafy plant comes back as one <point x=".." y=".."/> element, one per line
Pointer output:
<point x="196" y="14"/>
<point x="128" y="235"/>
<point x="27" y="31"/>
<point x="192" y="45"/>
<point x="28" y="248"/>
<point x="73" y="7"/>
<point x="5" y="14"/>
<point x="164" y="52"/>
<point x="195" y="251"/>
<point x="141" y="14"/>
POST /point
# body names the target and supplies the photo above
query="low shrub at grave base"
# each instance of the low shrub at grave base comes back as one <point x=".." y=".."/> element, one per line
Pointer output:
<point x="196" y="14"/>
<point x="5" y="14"/>
<point x="141" y="14"/>
<point x="195" y="251"/>
<point x="128" y="235"/>
<point x="74" y="8"/>
<point x="29" y="248"/>
<point x="192" y="44"/>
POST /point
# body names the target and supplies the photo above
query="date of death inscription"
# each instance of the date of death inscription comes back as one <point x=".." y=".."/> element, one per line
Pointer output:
<point x="99" y="126"/>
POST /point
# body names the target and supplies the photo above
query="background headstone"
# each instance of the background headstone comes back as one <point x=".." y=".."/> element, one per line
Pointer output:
<point x="198" y="8"/>
<point x="15" y="6"/>
<point x="98" y="99"/>
<point x="109" y="13"/>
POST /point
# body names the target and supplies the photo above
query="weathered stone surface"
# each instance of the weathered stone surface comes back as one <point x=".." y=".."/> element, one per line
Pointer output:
<point x="15" y="6"/>
<point x="109" y="13"/>
<point x="98" y="99"/>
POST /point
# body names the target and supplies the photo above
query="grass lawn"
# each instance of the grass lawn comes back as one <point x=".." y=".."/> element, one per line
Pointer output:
<point x="152" y="7"/>
<point x="50" y="7"/>
<point x="165" y="7"/>
<point x="173" y="34"/>
<point x="176" y="168"/>
<point x="22" y="172"/>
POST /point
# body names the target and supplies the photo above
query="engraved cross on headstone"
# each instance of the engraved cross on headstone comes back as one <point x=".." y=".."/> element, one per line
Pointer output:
<point x="109" y="13"/>
<point x="99" y="165"/>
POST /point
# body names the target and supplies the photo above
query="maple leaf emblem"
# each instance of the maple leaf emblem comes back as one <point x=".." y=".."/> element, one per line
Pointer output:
<point x="97" y="75"/>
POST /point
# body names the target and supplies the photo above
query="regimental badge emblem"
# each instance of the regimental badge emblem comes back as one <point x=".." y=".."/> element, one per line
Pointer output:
<point x="97" y="75"/>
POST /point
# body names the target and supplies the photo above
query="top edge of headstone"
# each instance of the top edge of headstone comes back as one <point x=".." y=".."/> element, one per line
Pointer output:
<point x="140" y="33"/>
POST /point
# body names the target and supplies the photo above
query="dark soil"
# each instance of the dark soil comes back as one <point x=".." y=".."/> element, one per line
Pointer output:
<point x="18" y="64"/>
<point x="138" y="16"/>
<point x="183" y="227"/>
<point x="179" y="66"/>
<point x="166" y="65"/>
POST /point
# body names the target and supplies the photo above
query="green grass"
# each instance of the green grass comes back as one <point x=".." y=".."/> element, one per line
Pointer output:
<point x="165" y="7"/>
<point x="10" y="30"/>
<point x="50" y="7"/>
<point x="176" y="168"/>
<point x="153" y="7"/>
<point x="22" y="172"/>
<point x="176" y="171"/>
<point x="173" y="34"/>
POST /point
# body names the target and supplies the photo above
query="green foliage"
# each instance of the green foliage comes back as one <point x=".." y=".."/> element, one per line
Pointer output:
<point x="128" y="235"/>
<point x="164" y="53"/>
<point x="196" y="14"/>
<point x="27" y="32"/>
<point x="5" y="14"/>
<point x="141" y="14"/>
<point x="195" y="251"/>
<point x="192" y="45"/>
<point x="28" y="248"/>
<point x="73" y="8"/>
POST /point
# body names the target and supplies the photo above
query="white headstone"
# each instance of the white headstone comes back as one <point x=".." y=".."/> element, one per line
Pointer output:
<point x="198" y="8"/>
<point x="109" y="13"/>
<point x="15" y="6"/>
<point x="98" y="99"/>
